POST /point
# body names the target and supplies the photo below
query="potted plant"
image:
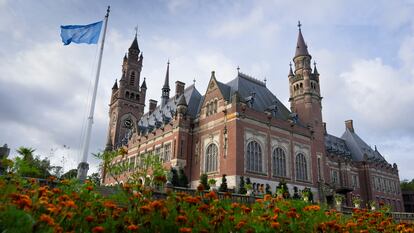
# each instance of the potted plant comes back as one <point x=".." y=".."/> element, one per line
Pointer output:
<point x="338" y="200"/>
<point x="249" y="188"/>
<point x="356" y="200"/>
<point x="212" y="183"/>
<point x="373" y="205"/>
<point x="305" y="194"/>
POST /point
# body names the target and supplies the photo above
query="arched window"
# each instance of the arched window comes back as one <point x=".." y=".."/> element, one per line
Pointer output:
<point x="211" y="158"/>
<point x="254" y="157"/>
<point x="215" y="106"/>
<point x="278" y="162"/>
<point x="132" y="79"/>
<point x="132" y="96"/>
<point x="301" y="167"/>
<point x="127" y="94"/>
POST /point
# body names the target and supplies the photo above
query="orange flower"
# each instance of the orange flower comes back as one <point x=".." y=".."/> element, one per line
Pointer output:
<point x="200" y="187"/>
<point x="275" y="225"/>
<point x="235" y="205"/>
<point x="311" y="208"/>
<point x="192" y="200"/>
<point x="47" y="219"/>
<point x="98" y="229"/>
<point x="268" y="197"/>
<point x="240" y="224"/>
<point x="132" y="227"/>
<point x="70" y="204"/>
<point x="56" y="190"/>
<point x="351" y="225"/>
<point x="203" y="208"/>
<point x="231" y="218"/>
<point x="156" y="204"/>
<point x="109" y="204"/>
<point x="89" y="188"/>
<point x="145" y="209"/>
<point x="212" y="195"/>
<point x="181" y="219"/>
<point x="69" y="215"/>
<point x="89" y="218"/>
<point x="185" y="229"/>
<point x="65" y="182"/>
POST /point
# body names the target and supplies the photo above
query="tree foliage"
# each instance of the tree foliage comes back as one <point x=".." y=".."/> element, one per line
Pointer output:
<point x="407" y="185"/>
<point x="204" y="181"/>
<point x="26" y="165"/>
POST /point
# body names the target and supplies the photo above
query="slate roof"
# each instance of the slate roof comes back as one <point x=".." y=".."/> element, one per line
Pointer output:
<point x="352" y="146"/>
<point x="163" y="115"/>
<point x="358" y="148"/>
<point x="337" y="146"/>
<point x="264" y="99"/>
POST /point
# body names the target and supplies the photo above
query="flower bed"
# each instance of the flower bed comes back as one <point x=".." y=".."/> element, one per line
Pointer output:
<point x="73" y="207"/>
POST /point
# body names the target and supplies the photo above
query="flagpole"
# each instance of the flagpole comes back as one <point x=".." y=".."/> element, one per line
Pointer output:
<point x="83" y="166"/>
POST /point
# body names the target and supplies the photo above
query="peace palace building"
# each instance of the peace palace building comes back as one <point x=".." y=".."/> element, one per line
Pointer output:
<point x="240" y="128"/>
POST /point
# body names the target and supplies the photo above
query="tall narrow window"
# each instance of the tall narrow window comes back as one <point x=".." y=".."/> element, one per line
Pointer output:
<point x="132" y="79"/>
<point x="167" y="152"/>
<point x="319" y="169"/>
<point x="278" y="162"/>
<point x="301" y="167"/>
<point x="215" y="106"/>
<point x="211" y="158"/>
<point x="254" y="157"/>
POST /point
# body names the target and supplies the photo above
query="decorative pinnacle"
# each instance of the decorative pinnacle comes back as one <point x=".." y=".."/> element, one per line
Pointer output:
<point x="299" y="25"/>
<point x="314" y="63"/>
<point x="194" y="81"/>
<point x="136" y="30"/>
<point x="290" y="64"/>
<point x="238" y="69"/>
<point x="107" y="11"/>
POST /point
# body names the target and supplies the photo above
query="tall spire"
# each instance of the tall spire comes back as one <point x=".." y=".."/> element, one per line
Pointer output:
<point x="301" y="47"/>
<point x="167" y="77"/>
<point x="166" y="88"/>
<point x="134" y="44"/>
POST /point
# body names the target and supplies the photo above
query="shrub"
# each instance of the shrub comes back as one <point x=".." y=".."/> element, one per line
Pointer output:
<point x="223" y="185"/>
<point x="242" y="188"/>
<point x="204" y="181"/>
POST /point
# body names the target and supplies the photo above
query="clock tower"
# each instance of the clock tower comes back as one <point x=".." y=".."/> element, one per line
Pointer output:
<point x="127" y="100"/>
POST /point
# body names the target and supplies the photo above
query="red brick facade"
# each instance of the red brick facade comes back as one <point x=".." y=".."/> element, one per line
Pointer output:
<point x="253" y="135"/>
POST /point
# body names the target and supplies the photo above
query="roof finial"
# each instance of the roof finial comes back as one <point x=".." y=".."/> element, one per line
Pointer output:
<point x="194" y="81"/>
<point x="136" y="31"/>
<point x="314" y="63"/>
<point x="265" y="80"/>
<point x="299" y="24"/>
<point x="290" y="64"/>
<point x="238" y="69"/>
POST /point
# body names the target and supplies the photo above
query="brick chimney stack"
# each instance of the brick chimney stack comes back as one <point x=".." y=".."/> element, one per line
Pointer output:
<point x="179" y="88"/>
<point x="350" y="126"/>
<point x="152" y="105"/>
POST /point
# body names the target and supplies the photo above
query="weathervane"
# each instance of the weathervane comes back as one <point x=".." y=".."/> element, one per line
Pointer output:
<point x="299" y="25"/>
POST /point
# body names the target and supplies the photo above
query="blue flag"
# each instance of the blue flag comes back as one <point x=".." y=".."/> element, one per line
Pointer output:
<point x="88" y="34"/>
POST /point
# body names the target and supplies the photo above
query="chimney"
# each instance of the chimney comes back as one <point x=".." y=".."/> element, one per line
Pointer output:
<point x="324" y="128"/>
<point x="179" y="88"/>
<point x="152" y="105"/>
<point x="350" y="126"/>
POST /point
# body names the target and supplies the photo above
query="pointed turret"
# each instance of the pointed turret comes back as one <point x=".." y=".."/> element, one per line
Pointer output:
<point x="182" y="105"/>
<point x="144" y="84"/>
<point x="166" y="88"/>
<point x="315" y="71"/>
<point x="301" y="47"/>
<point x="290" y="70"/>
<point x="115" y="86"/>
<point x="134" y="44"/>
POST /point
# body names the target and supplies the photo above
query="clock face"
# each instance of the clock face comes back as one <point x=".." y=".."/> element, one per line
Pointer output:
<point x="128" y="123"/>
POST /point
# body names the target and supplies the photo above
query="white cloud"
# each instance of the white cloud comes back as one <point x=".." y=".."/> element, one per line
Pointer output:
<point x="239" y="25"/>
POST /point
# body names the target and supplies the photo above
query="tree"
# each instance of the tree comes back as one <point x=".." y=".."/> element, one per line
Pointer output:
<point x="71" y="174"/>
<point x="182" y="179"/>
<point x="204" y="181"/>
<point x="174" y="177"/>
<point x="223" y="185"/>
<point x="95" y="178"/>
<point x="242" y="189"/>
<point x="29" y="166"/>
<point x="248" y="180"/>
<point x="407" y="185"/>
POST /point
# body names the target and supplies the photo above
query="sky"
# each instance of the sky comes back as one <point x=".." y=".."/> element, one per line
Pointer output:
<point x="364" y="52"/>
